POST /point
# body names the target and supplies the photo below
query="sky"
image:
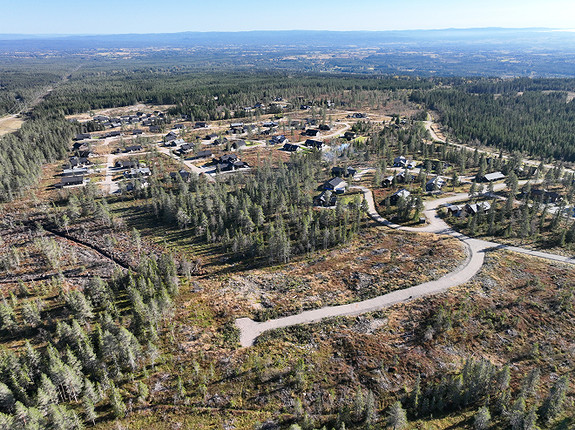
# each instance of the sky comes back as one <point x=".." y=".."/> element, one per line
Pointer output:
<point x="146" y="16"/>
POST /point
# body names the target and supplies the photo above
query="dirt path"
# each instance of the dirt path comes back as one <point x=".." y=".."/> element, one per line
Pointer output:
<point x="475" y="252"/>
<point x="13" y="121"/>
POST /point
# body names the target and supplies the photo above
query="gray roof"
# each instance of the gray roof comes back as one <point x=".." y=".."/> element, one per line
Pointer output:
<point x="336" y="182"/>
<point x="402" y="193"/>
<point x="495" y="176"/>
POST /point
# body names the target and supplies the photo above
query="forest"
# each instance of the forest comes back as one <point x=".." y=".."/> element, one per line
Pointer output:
<point x="266" y="216"/>
<point x="521" y="118"/>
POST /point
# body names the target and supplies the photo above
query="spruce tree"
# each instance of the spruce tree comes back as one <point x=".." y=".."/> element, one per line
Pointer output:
<point x="396" y="417"/>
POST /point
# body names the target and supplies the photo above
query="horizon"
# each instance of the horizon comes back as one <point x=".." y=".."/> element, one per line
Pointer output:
<point x="33" y="17"/>
<point x="294" y="30"/>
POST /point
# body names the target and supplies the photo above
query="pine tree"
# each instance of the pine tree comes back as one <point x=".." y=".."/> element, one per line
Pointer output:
<point x="118" y="406"/>
<point x="47" y="393"/>
<point x="553" y="404"/>
<point x="89" y="410"/>
<point x="516" y="413"/>
<point x="7" y="400"/>
<point x="6" y="421"/>
<point x="370" y="410"/>
<point x="143" y="392"/>
<point x="79" y="305"/>
<point x="31" y="314"/>
<point x="358" y="405"/>
<point x="7" y="317"/>
<point x="482" y="419"/>
<point x="530" y="420"/>
<point x="396" y="417"/>
<point x="530" y="383"/>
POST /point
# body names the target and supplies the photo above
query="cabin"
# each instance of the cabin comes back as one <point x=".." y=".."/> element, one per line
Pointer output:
<point x="178" y="142"/>
<point x="136" y="184"/>
<point x="140" y="171"/>
<point x="491" y="177"/>
<point x="454" y="210"/>
<point x="178" y="126"/>
<point x="227" y="166"/>
<point x="310" y="143"/>
<point x="400" y="161"/>
<point x="114" y="133"/>
<point x="479" y="207"/>
<point x="226" y="158"/>
<point x="211" y="136"/>
<point x="136" y="132"/>
<point x="338" y="171"/>
<point x="336" y="185"/>
<point x="186" y="148"/>
<point x="435" y="184"/>
<point x="545" y="195"/>
<point x="270" y="124"/>
<point x="398" y="195"/>
<point x="290" y="147"/>
<point x="126" y="164"/>
<point x="184" y="174"/>
<point x="170" y="136"/>
<point x="66" y="181"/>
<point x="388" y="181"/>
<point x="83" y="136"/>
<point x="76" y="171"/>
<point x="220" y="141"/>
<point x="324" y="127"/>
<point x="275" y="140"/>
<point x="238" y="144"/>
<point x="312" y="132"/>
<point x="349" y="135"/>
<point x="80" y="146"/>
<point x="78" y="162"/>
<point x="154" y="129"/>
<point x="133" y="148"/>
<point x="203" y="154"/>
<point x="200" y="124"/>
<point x="325" y="199"/>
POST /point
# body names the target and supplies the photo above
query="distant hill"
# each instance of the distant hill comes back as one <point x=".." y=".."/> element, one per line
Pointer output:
<point x="478" y="37"/>
<point x="448" y="52"/>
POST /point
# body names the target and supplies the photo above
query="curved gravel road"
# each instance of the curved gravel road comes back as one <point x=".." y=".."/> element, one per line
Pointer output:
<point x="475" y="253"/>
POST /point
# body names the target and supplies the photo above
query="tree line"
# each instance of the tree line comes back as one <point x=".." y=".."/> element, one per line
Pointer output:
<point x="537" y="123"/>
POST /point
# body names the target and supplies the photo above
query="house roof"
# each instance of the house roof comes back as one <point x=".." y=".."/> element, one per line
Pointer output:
<point x="202" y="154"/>
<point x="74" y="172"/>
<point x="402" y="193"/>
<point x="336" y="182"/>
<point x="228" y="157"/>
<point x="314" y="143"/>
<point x="290" y="147"/>
<point x="484" y="206"/>
<point x="495" y="176"/>
<point x="70" y="180"/>
<point x="400" y="159"/>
